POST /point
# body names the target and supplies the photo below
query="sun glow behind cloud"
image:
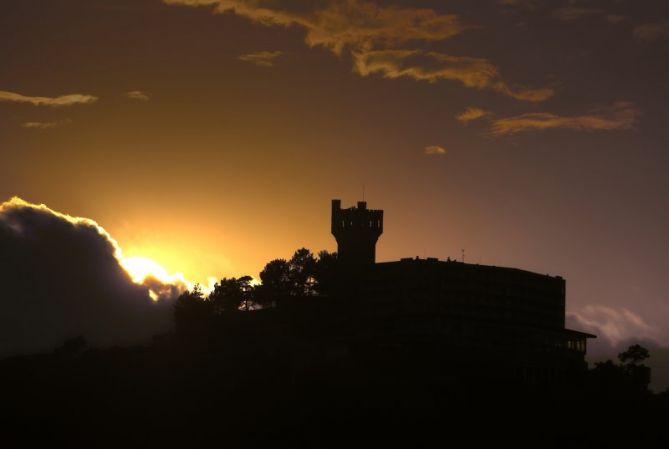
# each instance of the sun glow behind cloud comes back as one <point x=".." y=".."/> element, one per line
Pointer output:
<point x="139" y="268"/>
<point x="142" y="270"/>
<point x="171" y="255"/>
<point x="147" y="267"/>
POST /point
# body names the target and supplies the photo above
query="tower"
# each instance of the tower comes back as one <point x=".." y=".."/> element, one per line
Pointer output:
<point x="356" y="229"/>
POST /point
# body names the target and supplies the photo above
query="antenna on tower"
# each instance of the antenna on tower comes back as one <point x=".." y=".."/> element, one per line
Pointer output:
<point x="363" y="191"/>
<point x="463" y="255"/>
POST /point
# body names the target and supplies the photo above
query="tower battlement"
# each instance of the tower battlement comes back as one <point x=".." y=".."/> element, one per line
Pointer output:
<point x="356" y="230"/>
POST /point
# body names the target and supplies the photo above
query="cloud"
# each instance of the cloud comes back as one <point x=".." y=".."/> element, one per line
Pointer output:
<point x="434" y="149"/>
<point x="63" y="100"/>
<point x="570" y="13"/>
<point x="471" y="113"/>
<point x="248" y="9"/>
<point x="363" y="25"/>
<point x="261" y="58"/>
<point x="346" y="23"/>
<point x="61" y="277"/>
<point x="614" y="18"/>
<point x="377" y="36"/>
<point x="651" y="32"/>
<point x="137" y="95"/>
<point x="477" y="73"/>
<point x="528" y="4"/>
<point x="524" y="94"/>
<point x="574" y="13"/>
<point x="425" y="66"/>
<point x="613" y="325"/>
<point x="620" y="116"/>
<point x="46" y="125"/>
<point x="617" y="328"/>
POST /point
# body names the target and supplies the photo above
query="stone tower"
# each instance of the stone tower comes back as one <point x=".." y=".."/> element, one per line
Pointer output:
<point x="356" y="229"/>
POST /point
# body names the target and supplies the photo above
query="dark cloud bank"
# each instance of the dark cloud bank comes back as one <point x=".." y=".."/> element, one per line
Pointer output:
<point x="61" y="278"/>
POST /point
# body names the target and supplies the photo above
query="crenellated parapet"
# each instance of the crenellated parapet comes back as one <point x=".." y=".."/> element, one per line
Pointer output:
<point x="356" y="230"/>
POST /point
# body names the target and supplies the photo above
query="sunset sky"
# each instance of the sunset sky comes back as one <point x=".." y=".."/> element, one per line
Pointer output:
<point x="211" y="135"/>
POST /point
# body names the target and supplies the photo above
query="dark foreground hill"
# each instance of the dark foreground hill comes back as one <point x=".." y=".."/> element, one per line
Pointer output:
<point x="271" y="379"/>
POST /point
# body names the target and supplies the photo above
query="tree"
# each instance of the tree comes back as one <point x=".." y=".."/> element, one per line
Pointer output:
<point x="230" y="294"/>
<point x="247" y="288"/>
<point x="192" y="309"/>
<point x="276" y="282"/>
<point x="633" y="355"/>
<point x="627" y="379"/>
<point x="637" y="373"/>
<point x="301" y="273"/>
<point x="325" y="273"/>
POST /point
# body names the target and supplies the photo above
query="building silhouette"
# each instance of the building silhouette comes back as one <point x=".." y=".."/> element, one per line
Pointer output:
<point x="503" y="320"/>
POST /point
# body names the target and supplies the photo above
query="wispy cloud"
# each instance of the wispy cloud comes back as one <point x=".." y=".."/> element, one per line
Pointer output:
<point x="359" y="24"/>
<point x="477" y="73"/>
<point x="377" y="36"/>
<point x="470" y="114"/>
<point x="426" y="66"/>
<point x="63" y="100"/>
<point x="346" y="23"/>
<point x="434" y="149"/>
<point x="137" y="95"/>
<point x="613" y="324"/>
<point x="650" y="32"/>
<point x="615" y="18"/>
<point x="620" y="116"/>
<point x="529" y="4"/>
<point x="250" y="10"/>
<point x="261" y="58"/>
<point x="46" y="125"/>
<point x="524" y="94"/>
<point x="575" y="13"/>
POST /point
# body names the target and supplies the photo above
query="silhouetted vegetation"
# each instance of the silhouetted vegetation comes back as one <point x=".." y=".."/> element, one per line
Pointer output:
<point x="302" y="276"/>
<point x="192" y="309"/>
<point x="229" y="295"/>
<point x="628" y="379"/>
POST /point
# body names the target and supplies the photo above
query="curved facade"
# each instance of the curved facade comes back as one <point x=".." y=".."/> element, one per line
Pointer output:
<point x="513" y="317"/>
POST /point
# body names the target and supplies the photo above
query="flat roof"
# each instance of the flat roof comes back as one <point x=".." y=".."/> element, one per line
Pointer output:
<point x="456" y="263"/>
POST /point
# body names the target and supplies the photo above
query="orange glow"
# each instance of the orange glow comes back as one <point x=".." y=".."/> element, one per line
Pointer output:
<point x="170" y="259"/>
<point x="139" y="268"/>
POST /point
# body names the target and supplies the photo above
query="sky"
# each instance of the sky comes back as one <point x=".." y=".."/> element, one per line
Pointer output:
<point x="211" y="135"/>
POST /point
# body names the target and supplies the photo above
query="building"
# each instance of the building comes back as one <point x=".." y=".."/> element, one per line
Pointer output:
<point x="357" y="230"/>
<point x="511" y="318"/>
